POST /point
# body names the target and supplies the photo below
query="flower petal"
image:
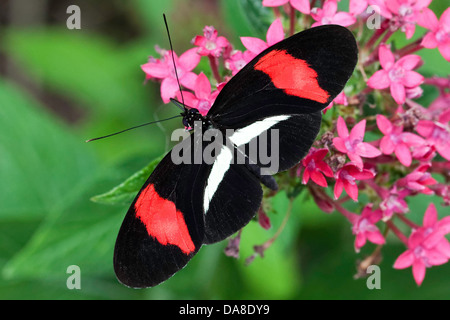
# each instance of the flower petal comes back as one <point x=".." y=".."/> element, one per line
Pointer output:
<point x="339" y="143"/>
<point x="405" y="260"/>
<point x="379" y="80"/>
<point x="344" y="19"/>
<point x="342" y="128"/>
<point x="274" y="3"/>
<point x="444" y="49"/>
<point x="356" y="159"/>
<point x="254" y="45"/>
<point x="367" y="150"/>
<point x="430" y="217"/>
<point x="398" y="92"/>
<point x="360" y="241"/>
<point x="357" y="7"/>
<point x="427" y="19"/>
<point x="301" y="5"/>
<point x="329" y="8"/>
<point x="169" y="88"/>
<point x="386" y="57"/>
<point x="352" y="190"/>
<point x="412" y="79"/>
<point x="384" y="124"/>
<point x="403" y="154"/>
<point x="318" y="178"/>
<point x="338" y="187"/>
<point x="189" y="60"/>
<point x="375" y="237"/>
<point x="386" y="145"/>
<point x="418" y="269"/>
<point x="357" y="132"/>
<point x="409" y="62"/>
<point x="425" y="128"/>
<point x="202" y="87"/>
<point x="188" y="80"/>
<point x="156" y="70"/>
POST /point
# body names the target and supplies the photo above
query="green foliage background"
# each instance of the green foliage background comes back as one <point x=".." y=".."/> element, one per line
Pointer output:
<point x="59" y="87"/>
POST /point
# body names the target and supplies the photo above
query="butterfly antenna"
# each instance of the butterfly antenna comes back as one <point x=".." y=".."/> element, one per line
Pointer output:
<point x="141" y="125"/>
<point x="174" y="65"/>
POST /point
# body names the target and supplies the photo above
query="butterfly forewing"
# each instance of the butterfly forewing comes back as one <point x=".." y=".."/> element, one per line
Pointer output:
<point x="301" y="74"/>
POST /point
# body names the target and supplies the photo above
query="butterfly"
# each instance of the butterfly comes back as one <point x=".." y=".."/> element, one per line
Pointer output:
<point x="183" y="206"/>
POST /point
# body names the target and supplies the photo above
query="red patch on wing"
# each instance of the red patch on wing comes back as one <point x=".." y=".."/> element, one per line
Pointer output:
<point x="293" y="75"/>
<point x="162" y="220"/>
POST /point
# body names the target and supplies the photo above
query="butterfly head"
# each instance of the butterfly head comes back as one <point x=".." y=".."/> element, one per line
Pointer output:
<point x="190" y="116"/>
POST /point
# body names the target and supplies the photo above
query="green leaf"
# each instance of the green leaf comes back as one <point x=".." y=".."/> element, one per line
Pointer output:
<point x="81" y="233"/>
<point x="42" y="165"/>
<point x="279" y="261"/>
<point x="85" y="67"/>
<point x="125" y="192"/>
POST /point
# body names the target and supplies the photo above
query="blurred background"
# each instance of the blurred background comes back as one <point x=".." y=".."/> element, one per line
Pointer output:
<point x="59" y="87"/>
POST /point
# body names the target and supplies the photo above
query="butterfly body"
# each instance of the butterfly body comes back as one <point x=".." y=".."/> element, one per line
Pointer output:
<point x="277" y="99"/>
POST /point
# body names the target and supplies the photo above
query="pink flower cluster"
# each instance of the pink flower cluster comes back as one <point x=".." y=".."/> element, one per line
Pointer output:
<point x="401" y="151"/>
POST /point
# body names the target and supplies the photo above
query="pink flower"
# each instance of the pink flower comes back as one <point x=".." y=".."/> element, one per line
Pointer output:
<point x="352" y="144"/>
<point x="340" y="99"/>
<point x="380" y="7"/>
<point x="210" y="44"/>
<point x="395" y="140"/>
<point x="439" y="105"/>
<point x="163" y="69"/>
<point x="315" y="167"/>
<point x="427" y="245"/>
<point x="396" y="75"/>
<point x="274" y="34"/>
<point x="437" y="134"/>
<point x="238" y="60"/>
<point x="405" y="13"/>
<point x="357" y="7"/>
<point x="329" y="15"/>
<point x="346" y="179"/>
<point x="425" y="152"/>
<point x="202" y="99"/>
<point x="325" y="203"/>
<point x="393" y="202"/>
<point x="443" y="190"/>
<point x="439" y="35"/>
<point x="418" y="180"/>
<point x="263" y="219"/>
<point x="364" y="227"/>
<point x="301" y="5"/>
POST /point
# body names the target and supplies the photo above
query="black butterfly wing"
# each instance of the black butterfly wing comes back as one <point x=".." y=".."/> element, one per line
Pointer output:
<point x="164" y="227"/>
<point x="301" y="74"/>
<point x="233" y="192"/>
<point x="282" y="91"/>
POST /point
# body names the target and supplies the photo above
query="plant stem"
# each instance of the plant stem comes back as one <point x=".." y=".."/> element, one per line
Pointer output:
<point x="292" y="20"/>
<point x="397" y="232"/>
<point x="407" y="221"/>
<point x="410" y="48"/>
<point x="213" y="62"/>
